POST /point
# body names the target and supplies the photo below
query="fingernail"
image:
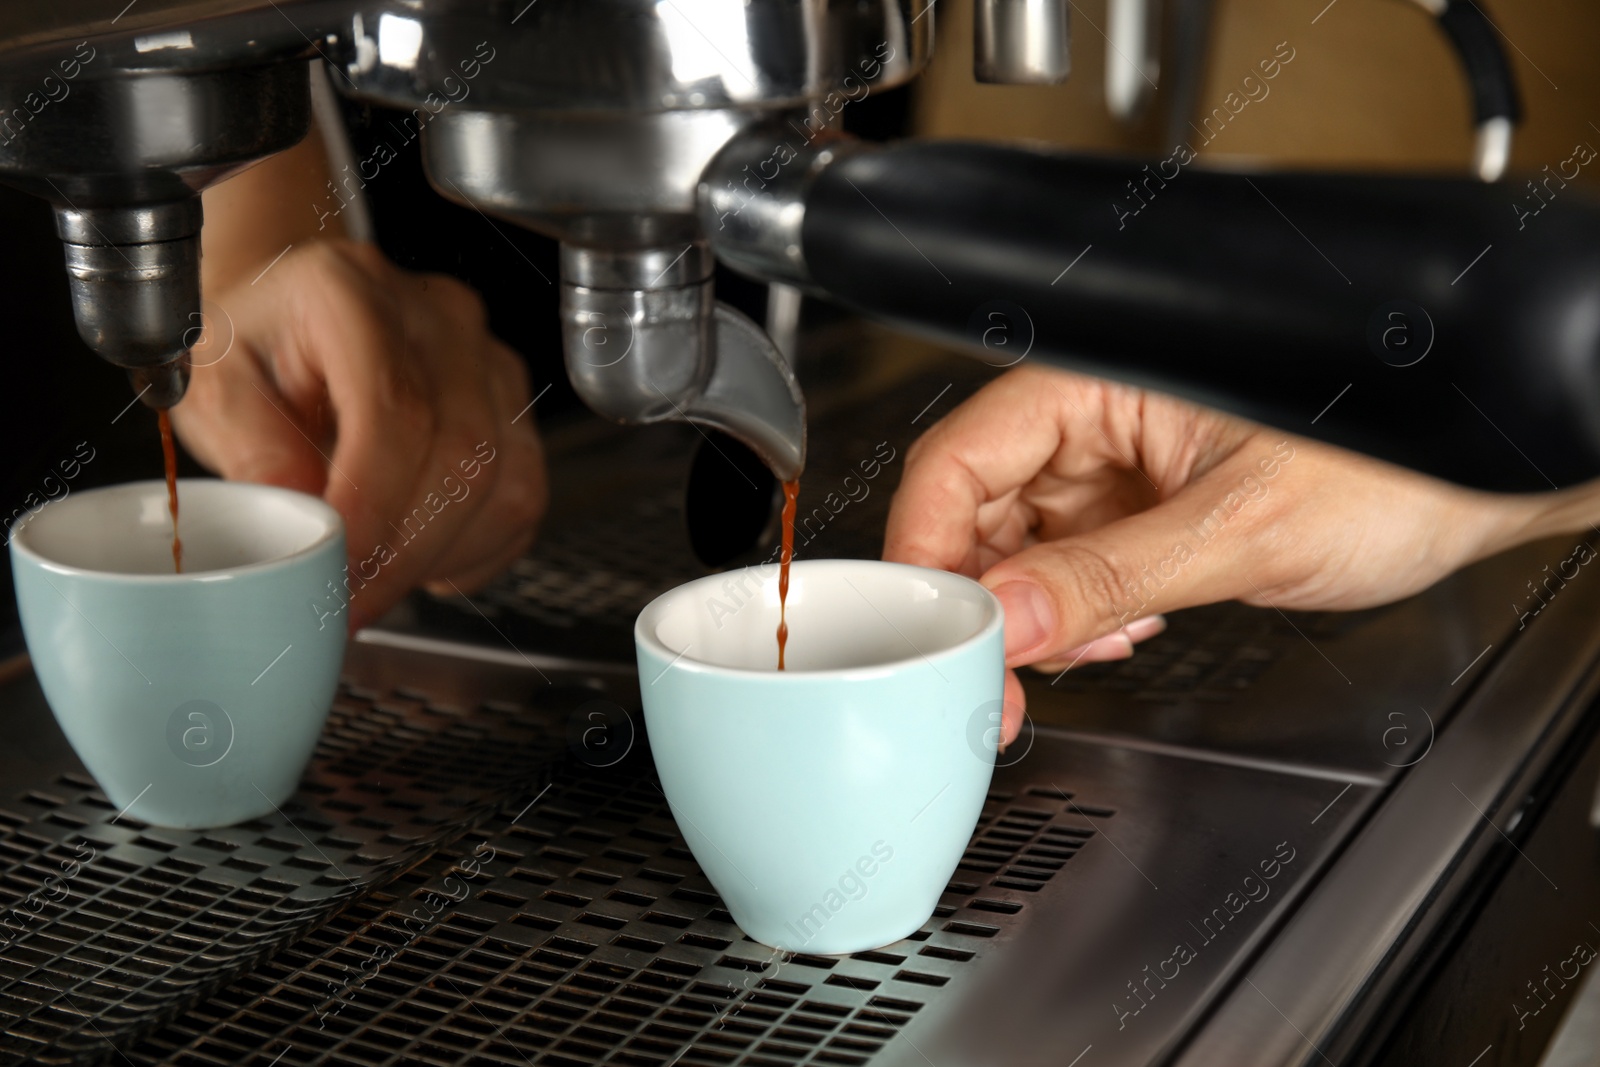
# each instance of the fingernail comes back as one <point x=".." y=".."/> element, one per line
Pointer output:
<point x="1139" y="629"/>
<point x="1102" y="649"/>
<point x="1030" y="618"/>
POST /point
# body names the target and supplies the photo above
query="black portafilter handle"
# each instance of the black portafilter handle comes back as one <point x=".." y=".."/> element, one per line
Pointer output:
<point x="1444" y="325"/>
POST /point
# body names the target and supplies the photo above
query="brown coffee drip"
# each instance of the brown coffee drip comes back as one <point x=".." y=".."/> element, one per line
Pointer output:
<point x="169" y="452"/>
<point x="791" y="494"/>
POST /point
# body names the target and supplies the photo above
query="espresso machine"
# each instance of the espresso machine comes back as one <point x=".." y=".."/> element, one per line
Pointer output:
<point x="1414" y="819"/>
<point x="653" y="139"/>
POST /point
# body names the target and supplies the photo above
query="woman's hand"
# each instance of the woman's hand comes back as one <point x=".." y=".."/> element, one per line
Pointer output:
<point x="339" y="374"/>
<point x="1089" y="508"/>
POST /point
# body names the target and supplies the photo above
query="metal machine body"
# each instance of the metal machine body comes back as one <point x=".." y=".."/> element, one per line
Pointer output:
<point x="588" y="122"/>
<point x="630" y="131"/>
<point x="637" y="133"/>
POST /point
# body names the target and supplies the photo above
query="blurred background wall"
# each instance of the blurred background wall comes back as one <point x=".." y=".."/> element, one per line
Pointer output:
<point x="1374" y="84"/>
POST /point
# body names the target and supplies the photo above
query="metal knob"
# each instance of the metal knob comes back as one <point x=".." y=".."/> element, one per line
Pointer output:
<point x="1021" y="42"/>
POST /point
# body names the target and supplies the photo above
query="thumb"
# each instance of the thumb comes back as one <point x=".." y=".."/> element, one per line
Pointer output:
<point x="1060" y="595"/>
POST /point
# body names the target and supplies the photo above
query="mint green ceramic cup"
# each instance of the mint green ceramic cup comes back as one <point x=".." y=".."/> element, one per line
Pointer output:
<point x="194" y="699"/>
<point x="830" y="803"/>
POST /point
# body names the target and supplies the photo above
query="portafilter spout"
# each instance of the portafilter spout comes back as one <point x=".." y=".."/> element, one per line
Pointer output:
<point x="134" y="274"/>
<point x="122" y="155"/>
<point x="644" y="337"/>
<point x="646" y="341"/>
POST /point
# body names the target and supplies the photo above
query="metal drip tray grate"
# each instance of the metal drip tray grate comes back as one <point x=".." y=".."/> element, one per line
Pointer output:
<point x="445" y="906"/>
<point x="579" y="931"/>
<point x="109" y="926"/>
<point x="1210" y="654"/>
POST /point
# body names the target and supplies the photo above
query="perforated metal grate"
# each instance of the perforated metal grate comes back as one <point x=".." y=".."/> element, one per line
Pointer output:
<point x="589" y="936"/>
<point x="603" y="570"/>
<point x="108" y="926"/>
<point x="1208" y="654"/>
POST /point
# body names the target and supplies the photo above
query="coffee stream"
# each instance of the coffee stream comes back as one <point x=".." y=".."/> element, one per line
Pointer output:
<point x="170" y="454"/>
<point x="791" y="494"/>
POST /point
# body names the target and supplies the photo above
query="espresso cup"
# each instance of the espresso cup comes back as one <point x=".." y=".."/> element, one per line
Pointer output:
<point x="194" y="699"/>
<point x="828" y="803"/>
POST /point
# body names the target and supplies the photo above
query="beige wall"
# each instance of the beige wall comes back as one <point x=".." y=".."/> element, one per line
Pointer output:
<point x="1373" y="84"/>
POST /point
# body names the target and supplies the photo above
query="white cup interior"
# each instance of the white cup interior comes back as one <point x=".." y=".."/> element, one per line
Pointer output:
<point x="842" y="614"/>
<point x="127" y="529"/>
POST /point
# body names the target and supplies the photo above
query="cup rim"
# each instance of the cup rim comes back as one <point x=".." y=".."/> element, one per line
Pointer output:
<point x="645" y="625"/>
<point x="334" y="522"/>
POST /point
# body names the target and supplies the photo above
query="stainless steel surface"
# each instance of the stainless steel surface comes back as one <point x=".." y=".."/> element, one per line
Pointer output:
<point x="623" y="55"/>
<point x="639" y="56"/>
<point x="1127" y="951"/>
<point x="1133" y="56"/>
<point x="1022" y="42"/>
<point x="1316" y="693"/>
<point x="138" y="225"/>
<point x="356" y="214"/>
<point x="784" y="304"/>
<point x="754" y="396"/>
<point x="605" y="180"/>
<point x="1372" y="913"/>
<point x="134" y="275"/>
<point x="135" y="304"/>
<point x="643" y="336"/>
<point x="162" y="385"/>
<point x="592" y="937"/>
<point x="637" y="355"/>
<point x="665" y="350"/>
<point x="755" y="221"/>
<point x="1186" y="46"/>
<point x="590" y="122"/>
<point x="1140" y="816"/>
<point x="1104" y="908"/>
<point x="594" y="126"/>
<point x="660" y="267"/>
<point x="110" y="925"/>
<point x="146" y="138"/>
<point x="182" y="35"/>
<point x="1343" y="695"/>
<point x="1579" y="1036"/>
<point x="1491" y="149"/>
<point x="121" y="159"/>
<point x="1329" y="701"/>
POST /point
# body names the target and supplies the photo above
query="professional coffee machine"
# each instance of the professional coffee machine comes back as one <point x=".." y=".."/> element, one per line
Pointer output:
<point x="653" y="137"/>
<point x="1416" y="777"/>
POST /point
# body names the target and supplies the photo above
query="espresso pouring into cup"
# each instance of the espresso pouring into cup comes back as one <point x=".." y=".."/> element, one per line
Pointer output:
<point x="194" y="699"/>
<point x="858" y="757"/>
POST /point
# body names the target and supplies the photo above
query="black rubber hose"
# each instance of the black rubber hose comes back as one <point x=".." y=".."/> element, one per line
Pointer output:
<point x="1494" y="90"/>
<point x="1445" y="325"/>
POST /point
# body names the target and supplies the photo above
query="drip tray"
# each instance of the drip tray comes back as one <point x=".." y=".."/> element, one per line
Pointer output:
<point x="573" y="927"/>
<point x="109" y="926"/>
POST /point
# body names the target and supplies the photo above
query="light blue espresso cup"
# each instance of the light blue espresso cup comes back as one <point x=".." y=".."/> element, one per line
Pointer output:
<point x="194" y="699"/>
<point x="828" y="803"/>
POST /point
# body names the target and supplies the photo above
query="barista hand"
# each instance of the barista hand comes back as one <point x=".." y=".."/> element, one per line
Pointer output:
<point x="1089" y="507"/>
<point x="384" y="392"/>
